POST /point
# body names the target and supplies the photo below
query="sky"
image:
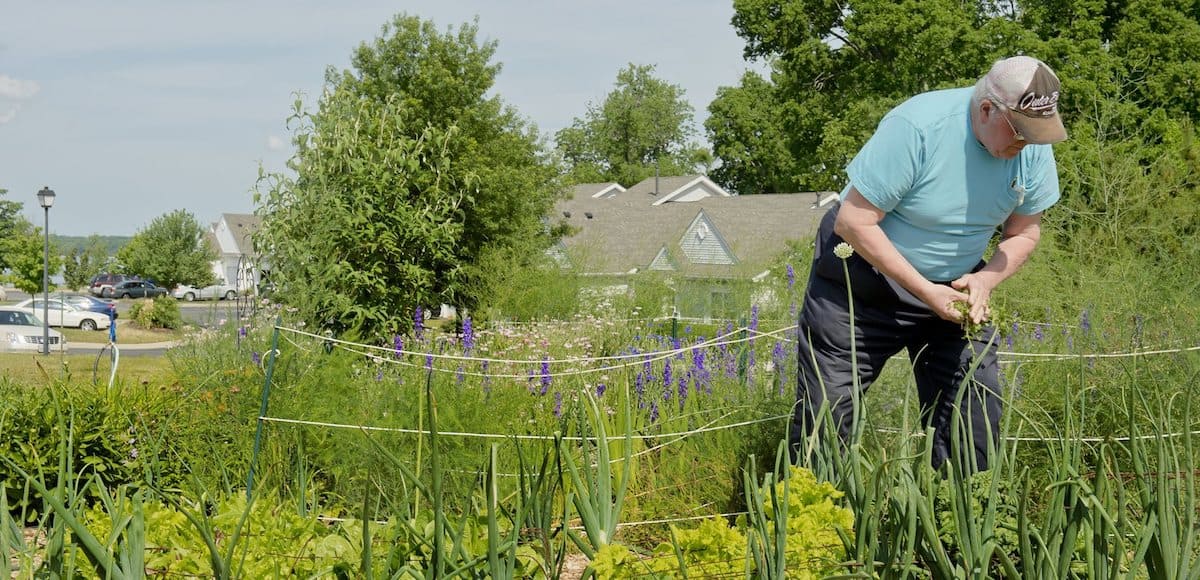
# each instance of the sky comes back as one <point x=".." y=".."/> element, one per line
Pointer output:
<point x="130" y="110"/>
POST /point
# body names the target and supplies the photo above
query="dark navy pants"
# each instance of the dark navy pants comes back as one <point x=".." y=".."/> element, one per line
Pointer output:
<point x="888" y="319"/>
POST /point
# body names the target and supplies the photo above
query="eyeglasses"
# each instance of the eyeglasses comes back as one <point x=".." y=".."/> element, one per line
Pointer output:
<point x="1004" y="114"/>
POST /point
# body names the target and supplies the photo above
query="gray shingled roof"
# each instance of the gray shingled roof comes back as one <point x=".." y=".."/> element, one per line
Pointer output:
<point x="627" y="232"/>
<point x="666" y="184"/>
<point x="242" y="226"/>
<point x="590" y="189"/>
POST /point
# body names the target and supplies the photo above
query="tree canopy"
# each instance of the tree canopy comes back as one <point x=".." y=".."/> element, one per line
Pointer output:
<point x="170" y="251"/>
<point x="1129" y="70"/>
<point x="22" y="248"/>
<point x="643" y="125"/>
<point x="11" y="225"/>
<point x="81" y="263"/>
<point x="412" y="185"/>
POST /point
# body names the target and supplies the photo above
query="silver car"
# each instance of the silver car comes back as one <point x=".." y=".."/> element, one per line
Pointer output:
<point x="21" y="331"/>
<point x="63" y="313"/>
<point x="211" y="292"/>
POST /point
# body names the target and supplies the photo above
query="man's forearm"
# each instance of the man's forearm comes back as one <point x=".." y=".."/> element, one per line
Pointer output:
<point x="1011" y="254"/>
<point x="874" y="246"/>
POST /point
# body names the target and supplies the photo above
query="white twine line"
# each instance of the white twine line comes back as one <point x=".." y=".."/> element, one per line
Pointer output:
<point x="679" y="434"/>
<point x="634" y="359"/>
<point x="654" y="356"/>
<point x="753" y="334"/>
<point x="621" y="525"/>
<point x="1089" y="439"/>
<point x="672" y="520"/>
<point x="1127" y="354"/>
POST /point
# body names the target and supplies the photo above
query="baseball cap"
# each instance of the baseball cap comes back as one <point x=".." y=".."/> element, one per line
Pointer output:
<point x="1028" y="88"/>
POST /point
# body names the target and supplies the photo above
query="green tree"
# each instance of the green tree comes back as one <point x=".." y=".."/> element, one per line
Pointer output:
<point x="171" y="250"/>
<point x="752" y="147"/>
<point x="11" y="223"/>
<point x="81" y="264"/>
<point x="26" y="259"/>
<point x="643" y="126"/>
<point x="412" y="182"/>
<point x="837" y="67"/>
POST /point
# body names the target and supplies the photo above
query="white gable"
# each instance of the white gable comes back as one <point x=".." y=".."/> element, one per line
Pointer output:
<point x="695" y="190"/>
<point x="703" y="245"/>
<point x="611" y="191"/>
<point x="225" y="238"/>
<point x="663" y="261"/>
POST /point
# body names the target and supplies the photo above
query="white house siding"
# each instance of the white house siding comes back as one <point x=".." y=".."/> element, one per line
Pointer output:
<point x="702" y="245"/>
<point x="662" y="261"/>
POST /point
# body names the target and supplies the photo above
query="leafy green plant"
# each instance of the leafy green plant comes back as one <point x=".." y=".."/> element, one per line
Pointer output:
<point x="160" y="312"/>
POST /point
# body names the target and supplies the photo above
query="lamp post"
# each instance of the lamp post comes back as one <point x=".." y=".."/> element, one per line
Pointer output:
<point x="46" y="199"/>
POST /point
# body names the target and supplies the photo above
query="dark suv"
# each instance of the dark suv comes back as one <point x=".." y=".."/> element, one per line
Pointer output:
<point x="102" y="284"/>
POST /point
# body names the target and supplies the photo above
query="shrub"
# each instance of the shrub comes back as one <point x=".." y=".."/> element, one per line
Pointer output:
<point x="161" y="312"/>
<point x="101" y="430"/>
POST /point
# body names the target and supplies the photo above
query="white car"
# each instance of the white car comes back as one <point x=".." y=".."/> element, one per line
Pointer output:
<point x="63" y="313"/>
<point x="21" y="331"/>
<point x="211" y="292"/>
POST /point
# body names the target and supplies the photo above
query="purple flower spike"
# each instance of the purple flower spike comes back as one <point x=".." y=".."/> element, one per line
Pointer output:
<point x="545" y="374"/>
<point x="468" y="336"/>
<point x="653" y="411"/>
<point x="791" y="276"/>
<point x="398" y="344"/>
<point x="1085" y="321"/>
<point x="600" y="388"/>
<point x="418" y="323"/>
<point x="558" y="405"/>
<point x="667" y="373"/>
<point x="256" y="358"/>
<point x="1038" y="334"/>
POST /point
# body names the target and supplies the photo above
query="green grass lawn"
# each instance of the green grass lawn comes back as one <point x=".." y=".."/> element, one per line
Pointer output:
<point x="35" y="369"/>
<point x="126" y="334"/>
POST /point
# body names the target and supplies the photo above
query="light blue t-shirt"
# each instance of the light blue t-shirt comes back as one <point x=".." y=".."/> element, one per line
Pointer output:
<point x="944" y="194"/>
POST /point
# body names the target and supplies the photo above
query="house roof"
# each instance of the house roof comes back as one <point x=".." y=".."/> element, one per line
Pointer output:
<point x="625" y="233"/>
<point x="596" y="189"/>
<point x="242" y="226"/>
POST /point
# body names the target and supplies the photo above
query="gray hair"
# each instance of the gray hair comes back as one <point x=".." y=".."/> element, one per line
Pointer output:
<point x="980" y="93"/>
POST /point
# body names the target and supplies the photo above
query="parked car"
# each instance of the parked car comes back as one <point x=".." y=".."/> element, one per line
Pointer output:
<point x="60" y="313"/>
<point x="210" y="292"/>
<point x="101" y="284"/>
<point x="88" y="302"/>
<point x="135" y="289"/>
<point x="23" y="332"/>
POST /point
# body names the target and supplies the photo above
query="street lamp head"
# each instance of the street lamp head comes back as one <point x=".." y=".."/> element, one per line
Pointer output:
<point x="46" y="197"/>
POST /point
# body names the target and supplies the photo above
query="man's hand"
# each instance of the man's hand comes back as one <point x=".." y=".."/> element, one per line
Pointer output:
<point x="941" y="299"/>
<point x="978" y="292"/>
